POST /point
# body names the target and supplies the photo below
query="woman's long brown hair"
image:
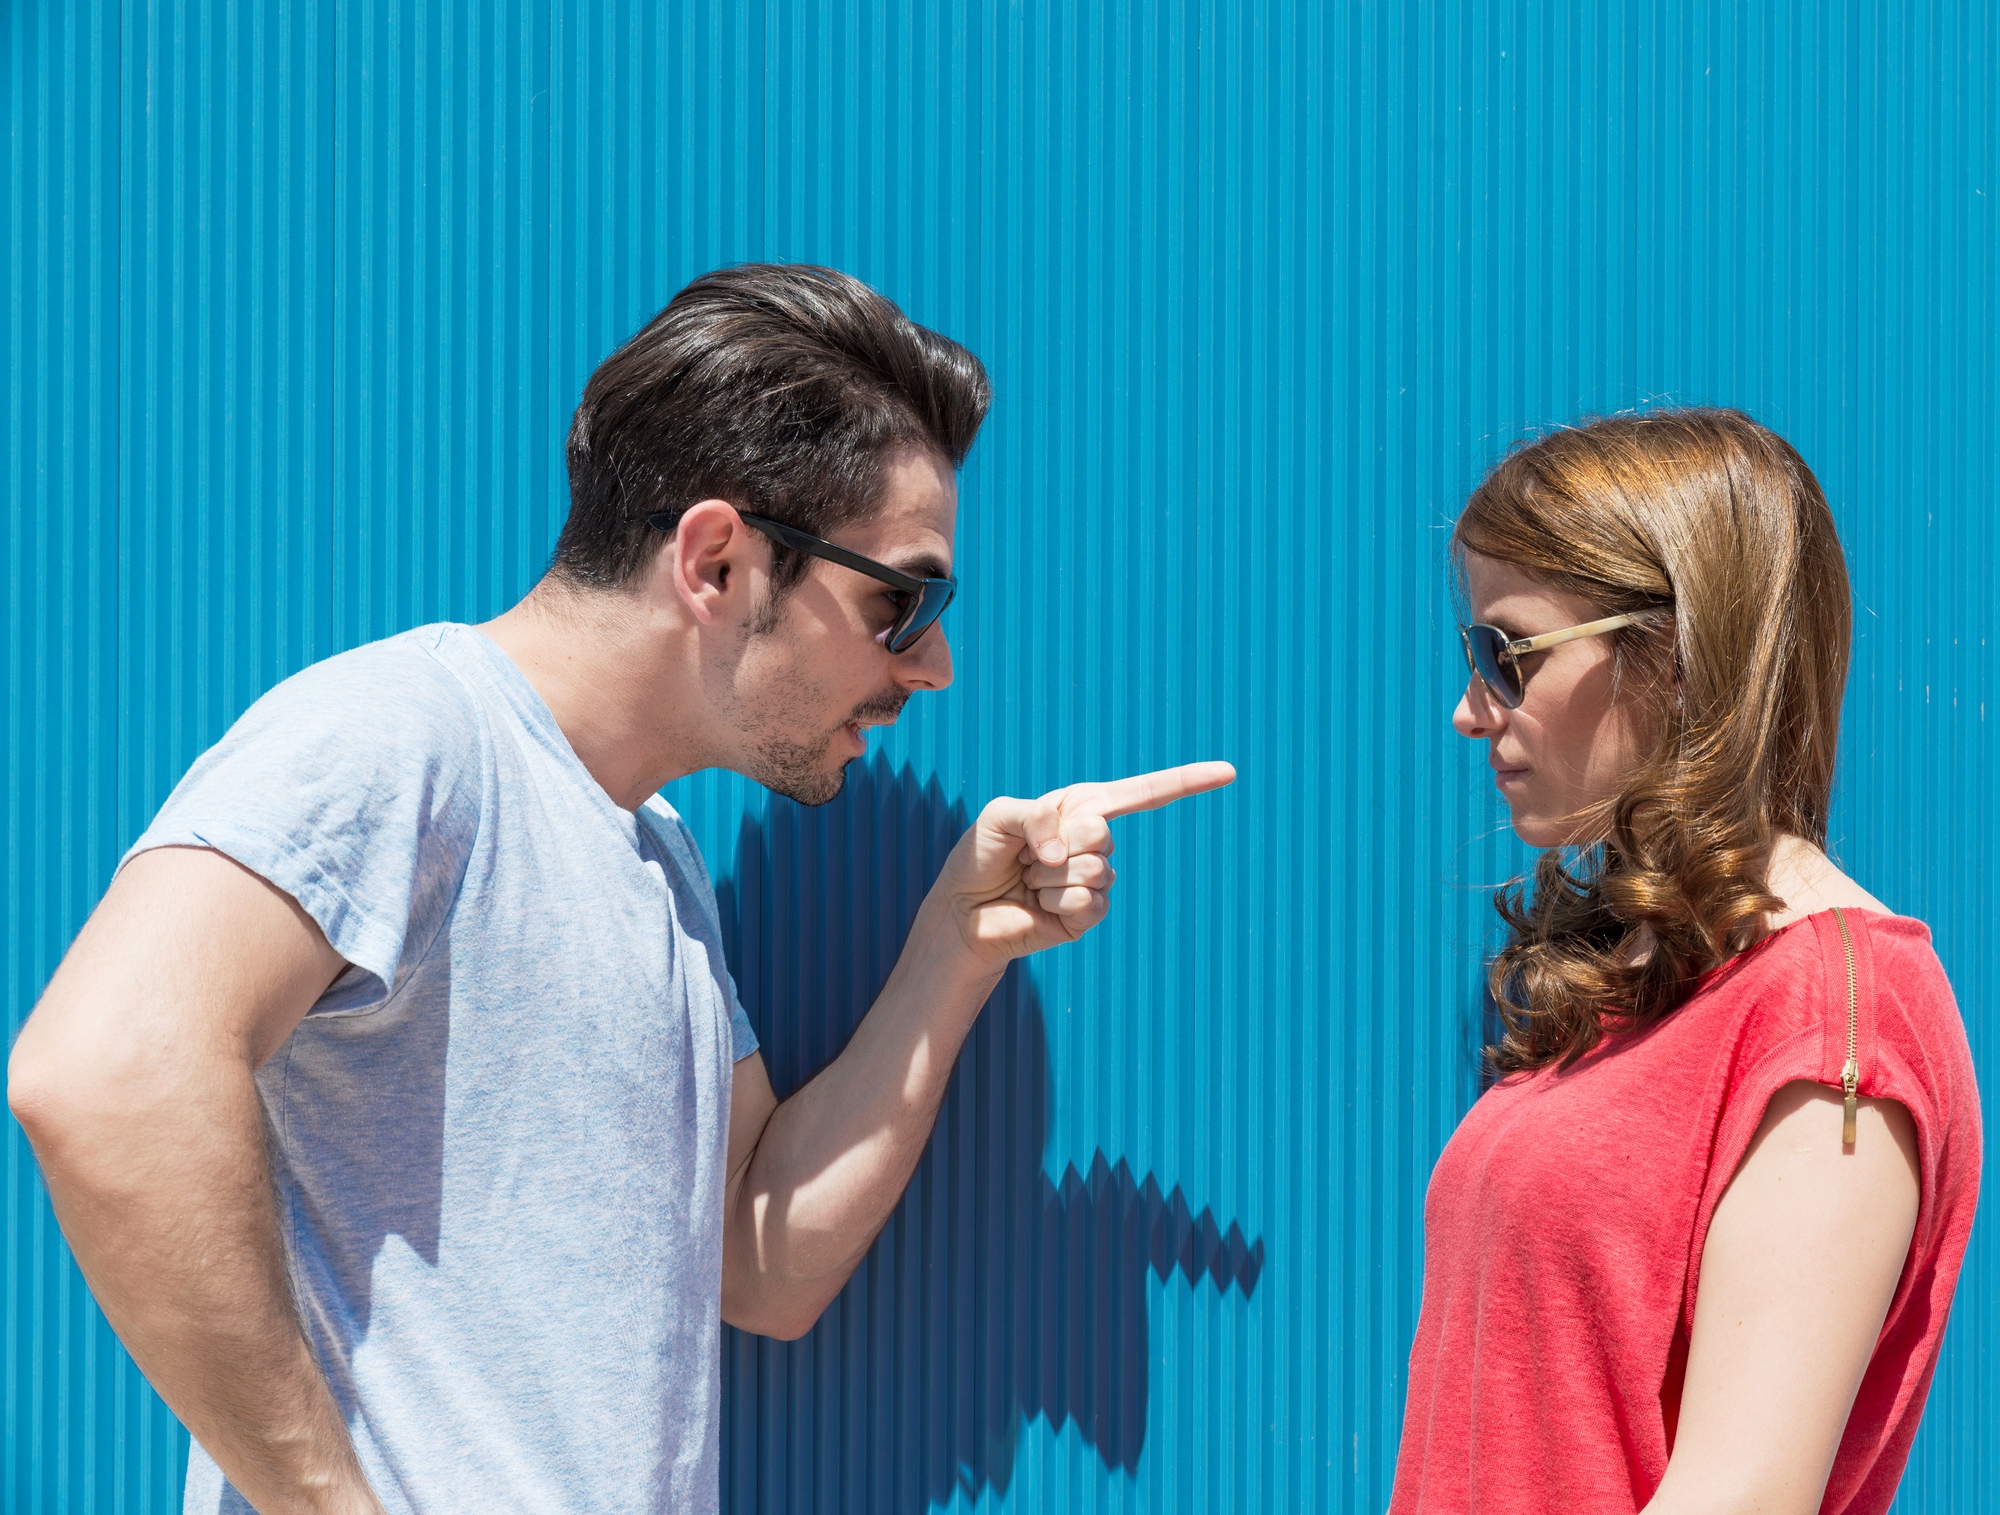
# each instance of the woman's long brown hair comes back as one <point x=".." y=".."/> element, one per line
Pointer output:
<point x="1715" y="525"/>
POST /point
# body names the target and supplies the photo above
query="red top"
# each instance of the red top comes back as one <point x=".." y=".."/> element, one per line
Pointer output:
<point x="1564" y="1225"/>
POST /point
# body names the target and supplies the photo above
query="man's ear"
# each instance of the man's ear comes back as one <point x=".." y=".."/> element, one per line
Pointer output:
<point x="708" y="560"/>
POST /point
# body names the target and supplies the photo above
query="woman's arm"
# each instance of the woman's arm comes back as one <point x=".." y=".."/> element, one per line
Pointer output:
<point x="1800" y="1265"/>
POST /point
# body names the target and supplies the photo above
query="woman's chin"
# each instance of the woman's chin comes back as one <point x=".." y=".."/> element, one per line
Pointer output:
<point x="1543" y="832"/>
<point x="1539" y="831"/>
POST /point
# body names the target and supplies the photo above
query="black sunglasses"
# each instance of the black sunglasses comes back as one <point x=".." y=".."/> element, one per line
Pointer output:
<point x="1496" y="657"/>
<point x="921" y="601"/>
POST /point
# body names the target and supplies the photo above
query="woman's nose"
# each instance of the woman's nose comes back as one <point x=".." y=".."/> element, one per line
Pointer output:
<point x="1478" y="715"/>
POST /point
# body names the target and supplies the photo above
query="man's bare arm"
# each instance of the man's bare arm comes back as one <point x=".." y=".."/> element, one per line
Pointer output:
<point x="812" y="1180"/>
<point x="134" y="1082"/>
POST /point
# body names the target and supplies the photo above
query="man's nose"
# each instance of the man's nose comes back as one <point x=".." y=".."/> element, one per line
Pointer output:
<point x="1478" y="715"/>
<point x="927" y="665"/>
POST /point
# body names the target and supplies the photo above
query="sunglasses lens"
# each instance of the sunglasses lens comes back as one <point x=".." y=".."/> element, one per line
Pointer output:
<point x="919" y="613"/>
<point x="1483" y="650"/>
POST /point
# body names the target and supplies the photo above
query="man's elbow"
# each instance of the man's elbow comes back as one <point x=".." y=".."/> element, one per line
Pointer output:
<point x="783" y="1315"/>
<point x="69" y="1091"/>
<point x="783" y="1327"/>
<point x="42" y="1091"/>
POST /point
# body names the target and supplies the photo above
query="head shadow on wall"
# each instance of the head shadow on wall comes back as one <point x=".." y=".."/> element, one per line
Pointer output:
<point x="994" y="1295"/>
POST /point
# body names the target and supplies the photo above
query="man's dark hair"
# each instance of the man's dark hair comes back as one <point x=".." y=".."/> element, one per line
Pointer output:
<point x="785" y="389"/>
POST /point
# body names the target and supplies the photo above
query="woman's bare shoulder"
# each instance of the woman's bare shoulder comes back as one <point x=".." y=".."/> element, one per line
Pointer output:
<point x="1808" y="881"/>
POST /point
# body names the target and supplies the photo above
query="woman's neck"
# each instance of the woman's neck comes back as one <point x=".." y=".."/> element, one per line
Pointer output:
<point x="1806" y="880"/>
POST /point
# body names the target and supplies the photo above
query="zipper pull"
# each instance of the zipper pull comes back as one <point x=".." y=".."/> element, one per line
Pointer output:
<point x="1850" y="1079"/>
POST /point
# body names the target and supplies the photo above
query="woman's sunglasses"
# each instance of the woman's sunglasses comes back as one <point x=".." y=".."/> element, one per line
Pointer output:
<point x="920" y="601"/>
<point x="1496" y="657"/>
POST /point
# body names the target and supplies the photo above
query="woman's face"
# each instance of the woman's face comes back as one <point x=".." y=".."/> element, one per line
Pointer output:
<point x="1570" y="745"/>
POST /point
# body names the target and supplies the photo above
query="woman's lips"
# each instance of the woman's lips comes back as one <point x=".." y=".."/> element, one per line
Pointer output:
<point x="1505" y="776"/>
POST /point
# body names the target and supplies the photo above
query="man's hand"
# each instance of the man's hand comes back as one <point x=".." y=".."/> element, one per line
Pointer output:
<point x="1031" y="874"/>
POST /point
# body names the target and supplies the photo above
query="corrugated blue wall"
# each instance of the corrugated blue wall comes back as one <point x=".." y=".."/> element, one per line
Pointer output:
<point x="299" y="297"/>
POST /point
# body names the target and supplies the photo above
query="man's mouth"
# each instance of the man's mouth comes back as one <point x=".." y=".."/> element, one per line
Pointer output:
<point x="880" y="711"/>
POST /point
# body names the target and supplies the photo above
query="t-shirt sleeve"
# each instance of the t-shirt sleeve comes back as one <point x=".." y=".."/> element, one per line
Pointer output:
<point x="741" y="1035"/>
<point x="695" y="896"/>
<point x="354" y="787"/>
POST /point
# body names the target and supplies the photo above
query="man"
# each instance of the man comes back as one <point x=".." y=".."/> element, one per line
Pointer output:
<point x="396" y="1101"/>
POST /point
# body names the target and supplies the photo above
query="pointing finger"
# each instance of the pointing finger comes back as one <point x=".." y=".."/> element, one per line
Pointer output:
<point x="1149" y="791"/>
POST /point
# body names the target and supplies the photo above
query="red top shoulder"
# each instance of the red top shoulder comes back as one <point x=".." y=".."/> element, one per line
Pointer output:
<point x="1565" y="1221"/>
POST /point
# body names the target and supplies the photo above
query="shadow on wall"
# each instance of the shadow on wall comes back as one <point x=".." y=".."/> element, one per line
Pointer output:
<point x="993" y="1295"/>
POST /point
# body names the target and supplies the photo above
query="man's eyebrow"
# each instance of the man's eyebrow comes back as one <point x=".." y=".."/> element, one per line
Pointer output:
<point x="923" y="566"/>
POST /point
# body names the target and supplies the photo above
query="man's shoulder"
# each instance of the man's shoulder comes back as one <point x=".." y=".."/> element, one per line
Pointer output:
<point x="389" y="702"/>
<point x="356" y="786"/>
<point x="415" y="673"/>
<point x="377" y="719"/>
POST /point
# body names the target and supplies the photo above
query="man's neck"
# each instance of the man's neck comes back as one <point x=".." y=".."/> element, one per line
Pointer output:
<point x="617" y="685"/>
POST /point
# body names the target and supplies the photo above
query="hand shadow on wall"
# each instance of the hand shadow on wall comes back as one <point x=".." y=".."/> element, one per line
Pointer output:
<point x="993" y="1295"/>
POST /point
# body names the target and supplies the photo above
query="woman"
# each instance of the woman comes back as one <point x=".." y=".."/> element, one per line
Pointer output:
<point x="1694" y="1250"/>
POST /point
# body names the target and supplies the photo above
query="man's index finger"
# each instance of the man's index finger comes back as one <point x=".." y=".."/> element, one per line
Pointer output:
<point x="1149" y="791"/>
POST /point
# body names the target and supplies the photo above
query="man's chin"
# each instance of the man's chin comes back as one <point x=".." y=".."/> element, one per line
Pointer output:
<point x="822" y="790"/>
<point x="803" y="778"/>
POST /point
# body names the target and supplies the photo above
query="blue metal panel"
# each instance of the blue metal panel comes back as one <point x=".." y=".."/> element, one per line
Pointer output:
<point x="439" y="497"/>
<point x="1916" y="807"/>
<point x="81" y="1431"/>
<point x="300" y="296"/>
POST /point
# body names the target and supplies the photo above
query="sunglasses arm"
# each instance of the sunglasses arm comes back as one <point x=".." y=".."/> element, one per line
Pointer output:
<point x="812" y="546"/>
<point x="1550" y="639"/>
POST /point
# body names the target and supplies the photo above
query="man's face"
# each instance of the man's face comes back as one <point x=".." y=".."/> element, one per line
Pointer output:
<point x="814" y="676"/>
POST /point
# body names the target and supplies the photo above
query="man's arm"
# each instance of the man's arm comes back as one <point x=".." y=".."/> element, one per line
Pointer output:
<point x="812" y="1180"/>
<point x="1797" y="1274"/>
<point x="134" y="1082"/>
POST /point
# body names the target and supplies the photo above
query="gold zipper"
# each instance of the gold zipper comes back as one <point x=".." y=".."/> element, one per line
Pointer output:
<point x="1850" y="1074"/>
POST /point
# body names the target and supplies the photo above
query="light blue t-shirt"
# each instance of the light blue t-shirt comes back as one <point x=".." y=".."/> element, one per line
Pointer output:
<point x="500" y="1137"/>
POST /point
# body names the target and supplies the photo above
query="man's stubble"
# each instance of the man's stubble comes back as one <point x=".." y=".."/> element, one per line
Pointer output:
<point x="800" y="770"/>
